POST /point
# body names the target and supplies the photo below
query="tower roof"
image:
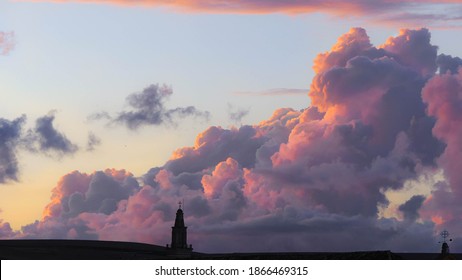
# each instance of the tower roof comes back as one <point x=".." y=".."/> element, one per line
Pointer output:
<point x="179" y="219"/>
<point x="179" y="233"/>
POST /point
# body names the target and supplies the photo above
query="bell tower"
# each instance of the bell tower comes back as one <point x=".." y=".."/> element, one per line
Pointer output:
<point x="179" y="233"/>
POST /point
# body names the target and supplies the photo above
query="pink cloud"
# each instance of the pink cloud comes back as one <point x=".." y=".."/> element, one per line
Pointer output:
<point x="301" y="180"/>
<point x="272" y="6"/>
<point x="390" y="12"/>
<point x="224" y="173"/>
<point x="6" y="42"/>
<point x="6" y="231"/>
<point x="443" y="94"/>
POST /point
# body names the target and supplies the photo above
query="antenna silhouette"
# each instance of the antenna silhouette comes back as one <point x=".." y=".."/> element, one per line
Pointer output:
<point x="445" y="247"/>
<point x="444" y="234"/>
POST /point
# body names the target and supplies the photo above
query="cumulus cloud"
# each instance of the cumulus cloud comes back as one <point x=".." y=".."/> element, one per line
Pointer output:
<point x="96" y="193"/>
<point x="7" y="42"/>
<point x="443" y="94"/>
<point x="6" y="231"/>
<point x="78" y="194"/>
<point x="148" y="108"/>
<point x="314" y="179"/>
<point x="46" y="139"/>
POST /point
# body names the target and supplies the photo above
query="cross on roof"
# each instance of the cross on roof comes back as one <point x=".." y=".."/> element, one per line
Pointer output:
<point x="444" y="234"/>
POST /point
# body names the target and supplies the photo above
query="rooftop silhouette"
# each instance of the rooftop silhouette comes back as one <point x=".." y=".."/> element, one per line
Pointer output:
<point x="179" y="245"/>
<point x="179" y="249"/>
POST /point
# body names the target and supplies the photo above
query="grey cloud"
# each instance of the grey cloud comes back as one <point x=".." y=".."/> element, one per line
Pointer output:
<point x="448" y="19"/>
<point x="198" y="206"/>
<point x="412" y="48"/>
<point x="6" y="231"/>
<point x="92" y="142"/>
<point x="233" y="199"/>
<point x="192" y="180"/>
<point x="148" y="108"/>
<point x="411" y="207"/>
<point x="103" y="194"/>
<point x="182" y="112"/>
<point x="236" y="114"/>
<point x="58" y="230"/>
<point x="45" y="138"/>
<point x="316" y="232"/>
<point x="219" y="144"/>
<point x="447" y="63"/>
<point x="10" y="133"/>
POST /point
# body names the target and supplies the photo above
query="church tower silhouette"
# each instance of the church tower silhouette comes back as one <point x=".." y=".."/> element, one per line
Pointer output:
<point x="180" y="234"/>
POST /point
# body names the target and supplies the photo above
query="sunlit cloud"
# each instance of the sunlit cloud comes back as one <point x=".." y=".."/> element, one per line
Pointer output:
<point x="381" y="117"/>
<point x="391" y="12"/>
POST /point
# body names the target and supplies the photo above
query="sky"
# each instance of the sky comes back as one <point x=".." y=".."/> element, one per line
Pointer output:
<point x="283" y="125"/>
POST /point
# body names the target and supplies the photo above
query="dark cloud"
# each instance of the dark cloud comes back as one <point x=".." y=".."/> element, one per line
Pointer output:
<point x="411" y="207"/>
<point x="317" y="232"/>
<point x="102" y="196"/>
<point x="412" y="48"/>
<point x="447" y="63"/>
<point x="46" y="139"/>
<point x="148" y="108"/>
<point x="198" y="206"/>
<point x="423" y="143"/>
<point x="10" y="133"/>
<point x="58" y="229"/>
<point x="43" y="138"/>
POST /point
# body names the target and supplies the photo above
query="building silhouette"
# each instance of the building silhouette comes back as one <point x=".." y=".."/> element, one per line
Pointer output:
<point x="179" y="245"/>
<point x="445" y="252"/>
